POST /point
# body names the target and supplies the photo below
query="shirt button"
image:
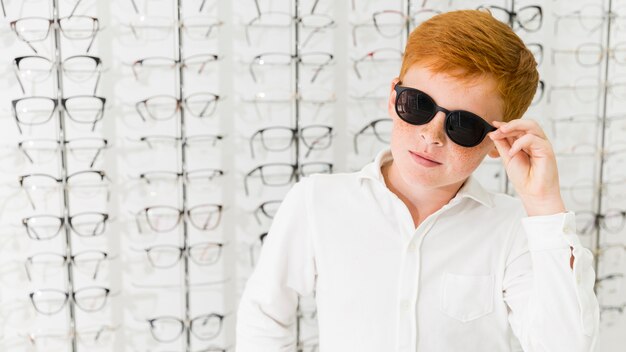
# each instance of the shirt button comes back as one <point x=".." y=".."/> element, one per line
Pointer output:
<point x="568" y="229"/>
<point x="412" y="247"/>
<point x="404" y="305"/>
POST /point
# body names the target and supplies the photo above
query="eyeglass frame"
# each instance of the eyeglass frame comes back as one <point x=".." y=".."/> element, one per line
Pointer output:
<point x="55" y="103"/>
<point x="52" y="22"/>
<point x="63" y="222"/>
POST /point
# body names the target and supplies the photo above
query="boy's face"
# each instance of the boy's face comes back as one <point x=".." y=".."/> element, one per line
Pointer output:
<point x="454" y="162"/>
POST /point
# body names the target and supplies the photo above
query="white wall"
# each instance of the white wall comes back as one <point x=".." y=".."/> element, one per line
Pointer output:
<point x="141" y="292"/>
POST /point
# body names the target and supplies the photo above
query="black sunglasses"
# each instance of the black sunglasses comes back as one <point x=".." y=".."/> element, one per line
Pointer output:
<point x="418" y="108"/>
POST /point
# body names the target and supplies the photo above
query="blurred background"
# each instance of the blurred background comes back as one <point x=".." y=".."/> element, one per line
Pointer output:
<point x="146" y="145"/>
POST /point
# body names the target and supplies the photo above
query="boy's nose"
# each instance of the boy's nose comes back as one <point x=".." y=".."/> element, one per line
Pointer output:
<point x="433" y="132"/>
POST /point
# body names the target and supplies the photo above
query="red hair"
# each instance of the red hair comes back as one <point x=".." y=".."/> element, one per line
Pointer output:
<point x="470" y="44"/>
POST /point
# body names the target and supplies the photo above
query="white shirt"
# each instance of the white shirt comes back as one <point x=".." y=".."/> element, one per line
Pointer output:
<point x="471" y="274"/>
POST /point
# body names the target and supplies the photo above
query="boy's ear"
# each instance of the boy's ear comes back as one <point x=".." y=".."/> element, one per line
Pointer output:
<point x="493" y="152"/>
<point x="391" y="102"/>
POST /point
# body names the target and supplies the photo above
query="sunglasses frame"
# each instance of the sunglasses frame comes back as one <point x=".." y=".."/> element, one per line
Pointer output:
<point x="488" y="128"/>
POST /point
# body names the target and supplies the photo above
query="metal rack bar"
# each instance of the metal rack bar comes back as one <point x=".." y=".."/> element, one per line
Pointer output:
<point x="296" y="107"/>
<point x="603" y="129"/>
<point x="64" y="171"/>
<point x="180" y="93"/>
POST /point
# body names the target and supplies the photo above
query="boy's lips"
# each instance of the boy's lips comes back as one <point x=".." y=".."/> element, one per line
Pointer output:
<point x="425" y="156"/>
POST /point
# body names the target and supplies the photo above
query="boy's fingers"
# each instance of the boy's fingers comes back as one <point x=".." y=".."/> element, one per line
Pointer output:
<point x="530" y="143"/>
<point x="526" y="126"/>
<point x="503" y="146"/>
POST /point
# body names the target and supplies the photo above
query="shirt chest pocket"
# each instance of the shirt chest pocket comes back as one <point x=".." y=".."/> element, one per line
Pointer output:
<point x="467" y="297"/>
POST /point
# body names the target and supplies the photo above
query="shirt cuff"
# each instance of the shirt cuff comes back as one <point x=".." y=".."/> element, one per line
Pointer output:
<point x="547" y="232"/>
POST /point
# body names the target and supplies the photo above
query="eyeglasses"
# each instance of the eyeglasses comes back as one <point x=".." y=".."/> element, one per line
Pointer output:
<point x="591" y="17"/>
<point x="78" y="68"/>
<point x="316" y="97"/>
<point x="378" y="94"/>
<point x="422" y="15"/>
<point x="381" y="129"/>
<point x="83" y="109"/>
<point x="583" y="190"/>
<point x="189" y="176"/>
<point x="307" y="96"/>
<point x="588" y="89"/>
<point x="582" y="149"/>
<point x="528" y="18"/>
<point x="462" y="127"/>
<point x="167" y="256"/>
<point x="210" y="140"/>
<point x="574" y="121"/>
<point x="93" y="337"/>
<point x="164" y="107"/>
<point x="313" y="22"/>
<point x="612" y="220"/>
<point x="280" y="138"/>
<point x="591" y="54"/>
<point x="153" y="28"/>
<point x="163" y="218"/>
<point x="388" y="24"/>
<point x="46" y="227"/>
<point x="87" y="261"/>
<point x="202" y="4"/>
<point x="35" y="29"/>
<point x="376" y="58"/>
<point x="268" y="209"/>
<point x="168" y="329"/>
<point x="84" y="150"/>
<point x="281" y="174"/>
<point x="196" y="63"/>
<point x="317" y="59"/>
<point x="83" y="181"/>
<point x="50" y="301"/>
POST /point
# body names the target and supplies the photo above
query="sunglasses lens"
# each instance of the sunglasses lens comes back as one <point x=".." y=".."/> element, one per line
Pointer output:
<point x="414" y="107"/>
<point x="465" y="128"/>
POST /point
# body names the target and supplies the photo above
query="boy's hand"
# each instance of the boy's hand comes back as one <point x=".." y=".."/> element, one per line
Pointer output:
<point x="530" y="163"/>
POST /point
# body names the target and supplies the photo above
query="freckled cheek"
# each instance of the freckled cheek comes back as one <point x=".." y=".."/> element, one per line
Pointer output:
<point x="403" y="129"/>
<point x="465" y="159"/>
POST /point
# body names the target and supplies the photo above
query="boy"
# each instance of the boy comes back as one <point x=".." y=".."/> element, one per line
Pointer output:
<point x="412" y="253"/>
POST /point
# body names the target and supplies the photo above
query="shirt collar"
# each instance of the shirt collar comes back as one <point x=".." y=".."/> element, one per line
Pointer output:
<point x="471" y="188"/>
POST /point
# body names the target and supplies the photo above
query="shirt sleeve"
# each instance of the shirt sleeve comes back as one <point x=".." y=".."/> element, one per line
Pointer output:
<point x="552" y="307"/>
<point x="267" y="313"/>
